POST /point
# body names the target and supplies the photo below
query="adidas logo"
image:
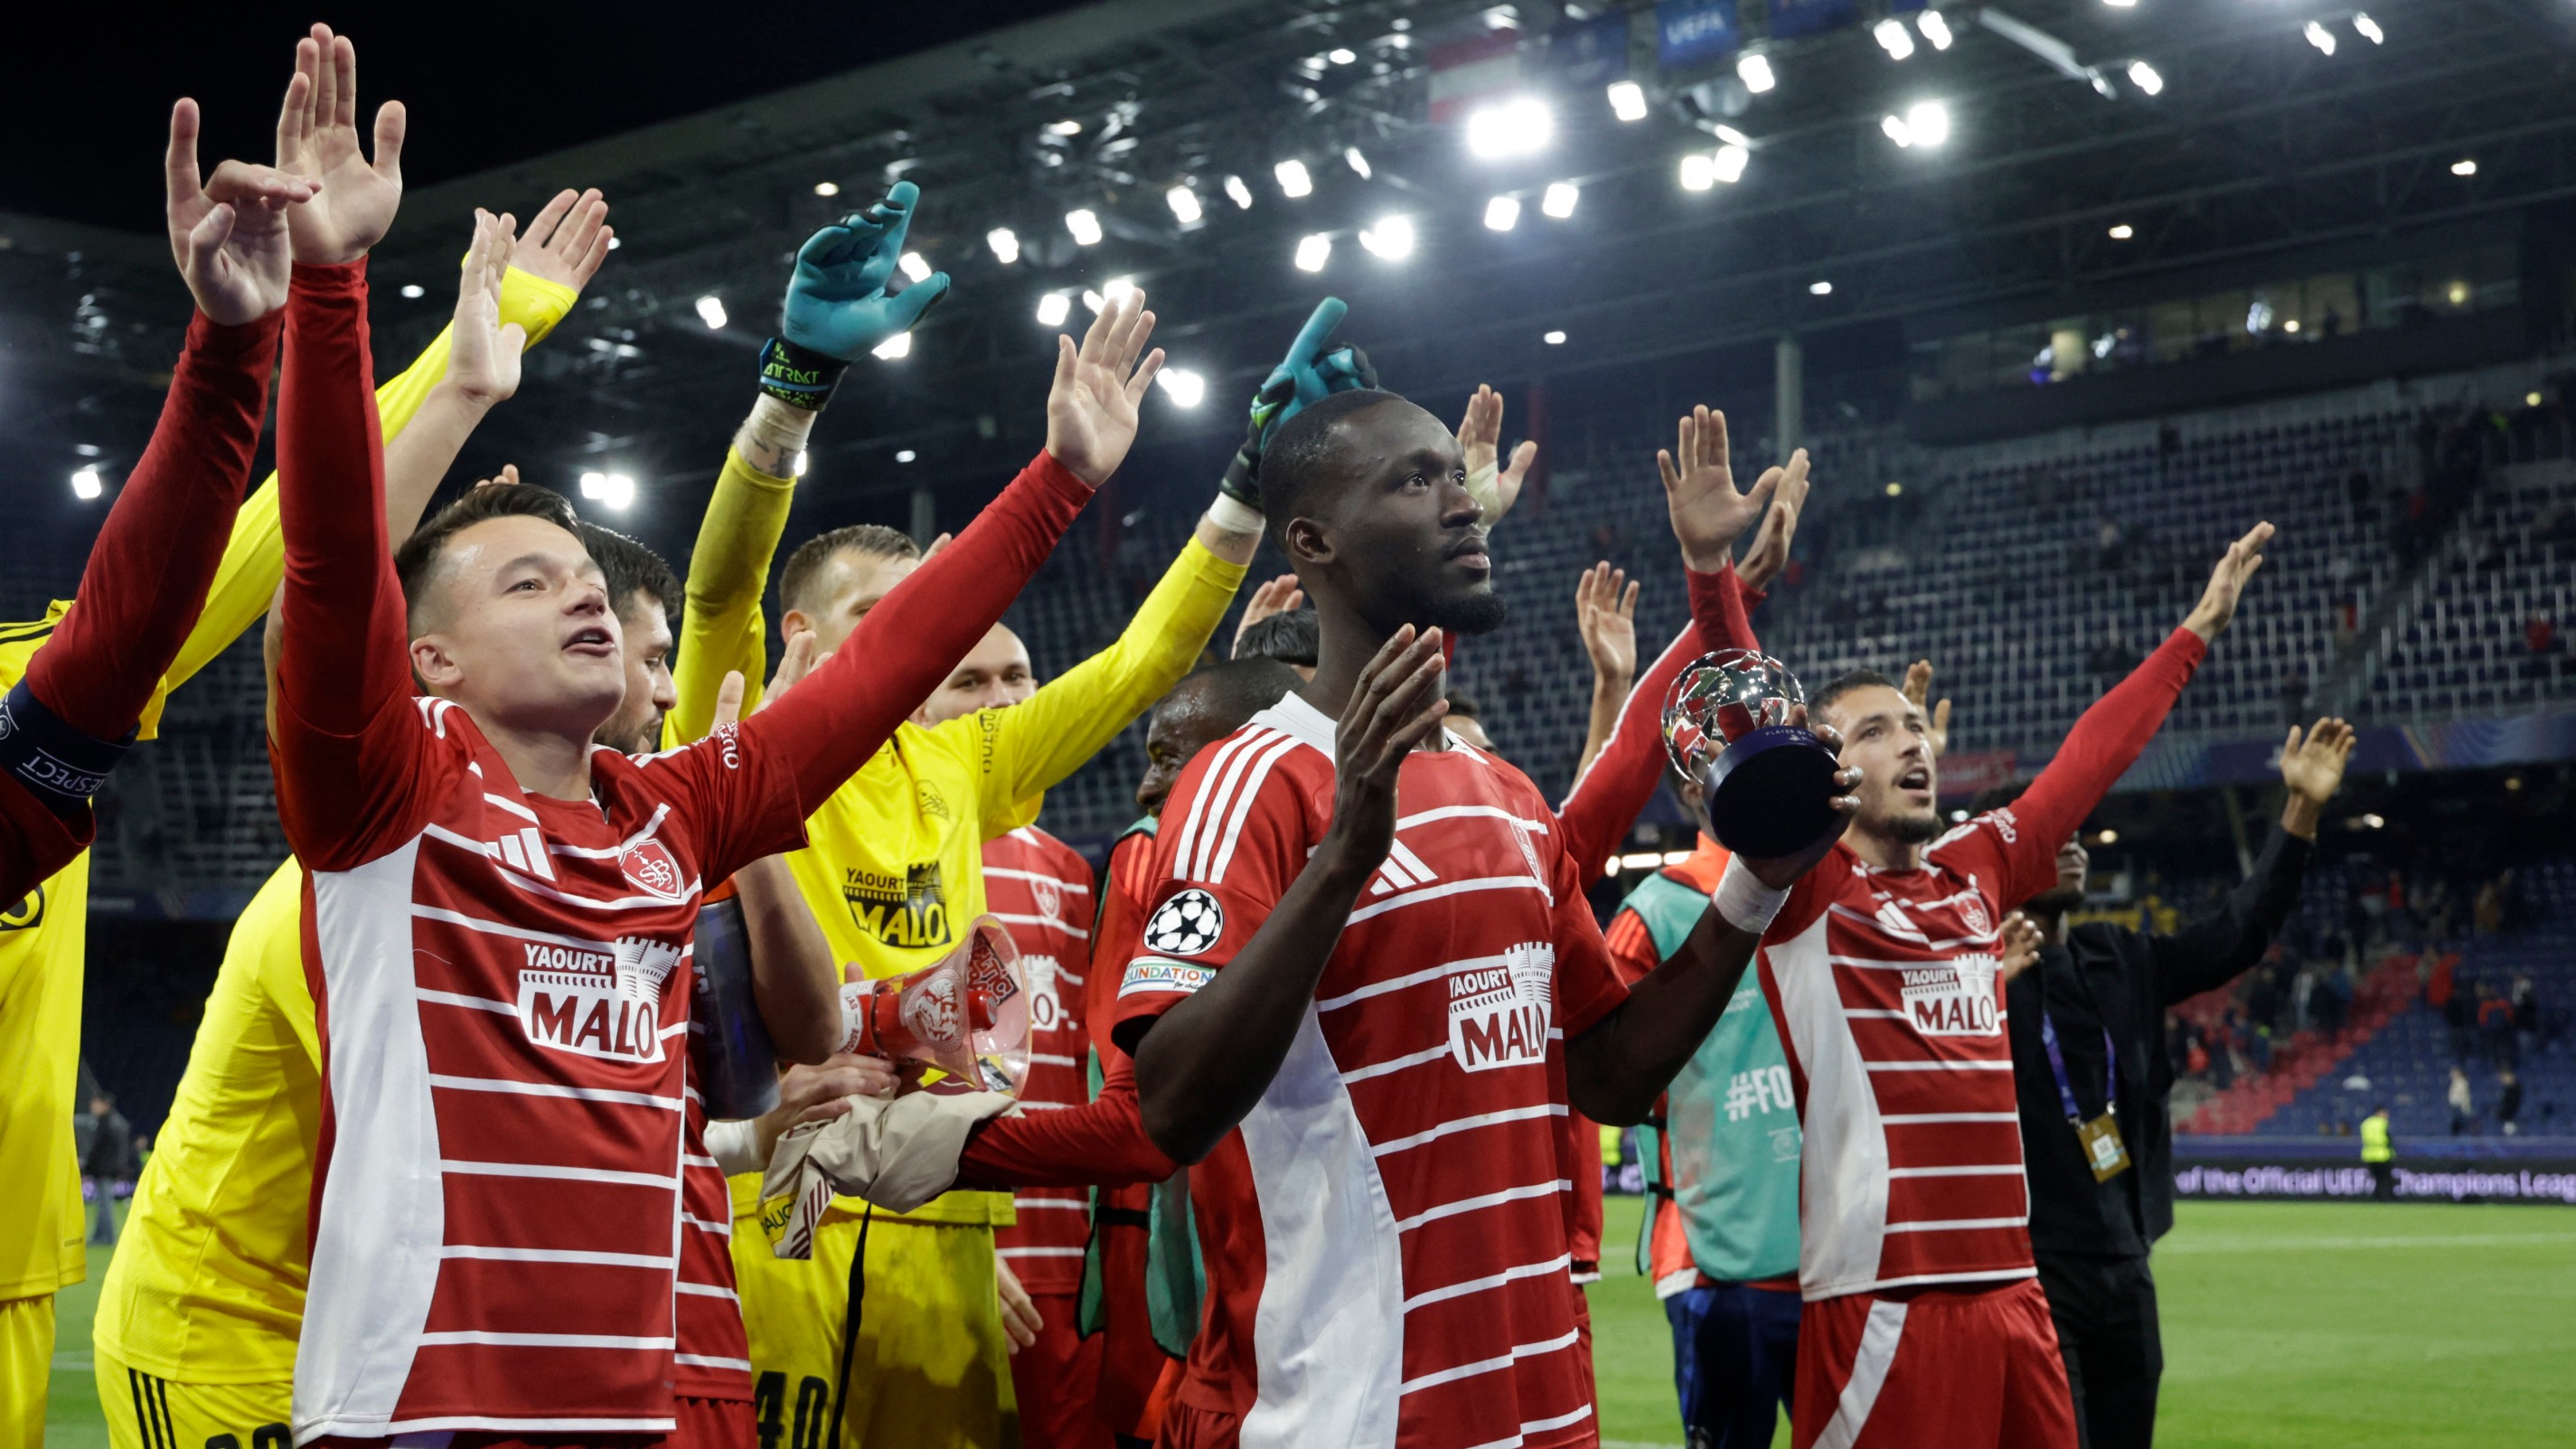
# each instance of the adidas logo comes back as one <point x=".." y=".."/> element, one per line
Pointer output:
<point x="1403" y="869"/>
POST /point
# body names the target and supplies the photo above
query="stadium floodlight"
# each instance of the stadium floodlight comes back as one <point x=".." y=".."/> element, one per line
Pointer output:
<point x="895" y="348"/>
<point x="1238" y="193"/>
<point x="2464" y="167"/>
<point x="1893" y="38"/>
<point x="1185" y="205"/>
<point x="1005" y="244"/>
<point x="1935" y="29"/>
<point x="1313" y="251"/>
<point x="711" y="311"/>
<point x="617" y="490"/>
<point x="1699" y="171"/>
<point x="2123" y="232"/>
<point x="2119" y="4"/>
<point x="1896" y="130"/>
<point x="1755" y="71"/>
<point x="1084" y="223"/>
<point x="2320" y="37"/>
<point x="1728" y="165"/>
<point x="827" y="188"/>
<point x="86" y="484"/>
<point x="1188" y="389"/>
<point x="915" y="266"/>
<point x="1732" y="136"/>
<point x="1064" y="128"/>
<point x="1628" y="100"/>
<point x="2368" y="29"/>
<point x="2144" y="77"/>
<point x="1293" y="180"/>
<point x="1925" y="124"/>
<point x="1503" y="213"/>
<point x="1553" y="339"/>
<point x="905" y="455"/>
<point x="1053" y="308"/>
<point x="1116" y="289"/>
<point x="1352" y="158"/>
<point x="1520" y="126"/>
<point x="1820" y="289"/>
<point x="1390" y="240"/>
<point x="1341" y="55"/>
<point x="1558" y="200"/>
<point x="414" y="291"/>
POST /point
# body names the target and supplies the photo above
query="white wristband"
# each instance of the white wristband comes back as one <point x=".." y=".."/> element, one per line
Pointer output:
<point x="1232" y="515"/>
<point x="1482" y="487"/>
<point x="735" y="1146"/>
<point x="1743" y="901"/>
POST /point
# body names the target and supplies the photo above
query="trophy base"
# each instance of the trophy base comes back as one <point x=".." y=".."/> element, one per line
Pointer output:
<point x="1770" y="793"/>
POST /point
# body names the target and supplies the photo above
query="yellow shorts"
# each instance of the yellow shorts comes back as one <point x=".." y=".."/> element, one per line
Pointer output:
<point x="144" y="1412"/>
<point x="26" y="1362"/>
<point x="932" y="1369"/>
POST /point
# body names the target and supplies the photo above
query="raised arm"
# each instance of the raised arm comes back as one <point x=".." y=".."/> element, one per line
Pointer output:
<point x="1102" y="1144"/>
<point x="1605" y="616"/>
<point x="2219" y="947"/>
<point x="852" y="704"/>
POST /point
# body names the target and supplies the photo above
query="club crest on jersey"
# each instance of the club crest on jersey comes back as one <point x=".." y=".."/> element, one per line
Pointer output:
<point x="1049" y="897"/>
<point x="1186" y="924"/>
<point x="596" y="1002"/>
<point x="1952" y="998"/>
<point x="1973" y="912"/>
<point x="1499" y="1011"/>
<point x="648" y="867"/>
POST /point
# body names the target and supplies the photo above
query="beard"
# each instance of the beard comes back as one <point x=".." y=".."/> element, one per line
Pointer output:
<point x="1478" y="613"/>
<point x="1920" y="829"/>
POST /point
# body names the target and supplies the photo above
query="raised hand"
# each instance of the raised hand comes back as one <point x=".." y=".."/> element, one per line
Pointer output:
<point x="1708" y="514"/>
<point x="1091" y="410"/>
<point x="484" y="362"/>
<point x="508" y="477"/>
<point x="228" y="234"/>
<point x="1275" y="596"/>
<point x="317" y="139"/>
<point x="567" y="239"/>
<point x="1607" y="617"/>
<point x="799" y="659"/>
<point x="837" y="302"/>
<point x="1782" y="872"/>
<point x="2312" y="764"/>
<point x="1480" y="442"/>
<point x="1396" y="704"/>
<point x="1770" y="551"/>
<point x="1917" y="690"/>
<point x="2209" y="617"/>
<point x="2021" y="945"/>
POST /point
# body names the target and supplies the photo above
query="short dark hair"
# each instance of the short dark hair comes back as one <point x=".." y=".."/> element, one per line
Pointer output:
<point x="1462" y="705"/>
<point x="630" y="568"/>
<point x="1238" y="689"/>
<point x="416" y="562"/>
<point x="1821" y="700"/>
<point x="1297" y="456"/>
<point x="1292" y="636"/>
<point x="796" y="584"/>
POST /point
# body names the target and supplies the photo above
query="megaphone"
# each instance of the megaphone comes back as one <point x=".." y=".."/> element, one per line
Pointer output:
<point x="967" y="1014"/>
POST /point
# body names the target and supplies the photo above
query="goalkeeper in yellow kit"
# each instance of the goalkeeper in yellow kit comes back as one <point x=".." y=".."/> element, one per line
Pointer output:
<point x="197" y="1322"/>
<point x="894" y="873"/>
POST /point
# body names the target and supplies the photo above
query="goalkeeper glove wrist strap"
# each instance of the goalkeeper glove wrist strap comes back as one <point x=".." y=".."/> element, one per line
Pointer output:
<point x="799" y="376"/>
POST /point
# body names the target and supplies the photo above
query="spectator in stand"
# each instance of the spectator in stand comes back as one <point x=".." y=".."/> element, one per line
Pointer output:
<point x="2379" y="1154"/>
<point x="2488" y="912"/>
<point x="2464" y="1111"/>
<point x="2526" y="1017"/>
<point x="2495" y="1027"/>
<point x="2460" y="1014"/>
<point x="109" y="1160"/>
<point x="2508" y="1102"/>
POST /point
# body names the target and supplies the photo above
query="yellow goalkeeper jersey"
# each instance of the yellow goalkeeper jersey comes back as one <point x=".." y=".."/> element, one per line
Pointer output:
<point x="894" y="868"/>
<point x="207" y="1285"/>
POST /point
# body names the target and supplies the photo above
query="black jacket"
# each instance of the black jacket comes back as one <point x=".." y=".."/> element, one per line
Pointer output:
<point x="2109" y="978"/>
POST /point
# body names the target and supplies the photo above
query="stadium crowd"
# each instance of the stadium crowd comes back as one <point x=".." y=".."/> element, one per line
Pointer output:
<point x="671" y="1031"/>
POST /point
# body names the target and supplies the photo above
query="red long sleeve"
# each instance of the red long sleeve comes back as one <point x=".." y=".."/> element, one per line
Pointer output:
<point x="833" y="722"/>
<point x="1606" y="801"/>
<point x="1103" y="1144"/>
<point x="157" y="552"/>
<point x="1719" y="611"/>
<point x="2098" y="751"/>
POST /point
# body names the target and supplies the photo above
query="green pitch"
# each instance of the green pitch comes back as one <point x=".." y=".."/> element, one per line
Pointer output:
<point x="2354" y="1324"/>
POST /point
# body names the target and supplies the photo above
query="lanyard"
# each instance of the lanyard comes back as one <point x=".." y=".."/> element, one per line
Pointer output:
<point x="2065" y="1087"/>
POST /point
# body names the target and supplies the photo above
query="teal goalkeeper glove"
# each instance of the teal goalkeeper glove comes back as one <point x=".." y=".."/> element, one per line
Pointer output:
<point x="1308" y="374"/>
<point x="837" y="303"/>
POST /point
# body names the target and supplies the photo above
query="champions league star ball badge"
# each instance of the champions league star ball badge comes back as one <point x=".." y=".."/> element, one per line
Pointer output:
<point x="1187" y="924"/>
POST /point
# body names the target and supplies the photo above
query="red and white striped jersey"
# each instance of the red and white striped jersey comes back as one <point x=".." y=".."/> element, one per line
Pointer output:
<point x="503" y="986"/>
<point x="1040" y="889"/>
<point x="711" y="1353"/>
<point x="1385" y="1234"/>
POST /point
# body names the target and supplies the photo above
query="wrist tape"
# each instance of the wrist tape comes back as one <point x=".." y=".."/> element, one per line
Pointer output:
<point x="1743" y="901"/>
<point x="799" y="376"/>
<point x="1232" y="515"/>
<point x="58" y="764"/>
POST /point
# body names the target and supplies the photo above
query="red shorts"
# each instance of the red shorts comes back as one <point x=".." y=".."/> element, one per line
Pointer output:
<point x="1187" y="1426"/>
<point x="1933" y="1370"/>
<point x="1058" y="1379"/>
<point x="698" y="1424"/>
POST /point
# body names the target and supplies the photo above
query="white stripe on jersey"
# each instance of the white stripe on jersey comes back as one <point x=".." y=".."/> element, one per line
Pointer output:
<point x="513" y="806"/>
<point x="1489" y="1365"/>
<point x="721" y="1230"/>
<point x="1005" y="872"/>
<point x="1220" y="802"/>
<point x="1469" y="1124"/>
<point x="1561" y="1263"/>
<point x="1049" y="1059"/>
<point x="652" y="826"/>
<point x="1411" y="978"/>
<point x="1930" y="1117"/>
<point x="555" y="1089"/>
<point x="700" y="1360"/>
<point x="1072" y="1203"/>
<point x="1186" y="840"/>
<point x="1048" y="922"/>
<point x="453" y="998"/>
<point x="1223" y="850"/>
<point x="2001" y="1169"/>
<point x="1461" y="812"/>
<point x="1392" y="1064"/>
<point x="1940" y="1066"/>
<point x="504" y="928"/>
<point x="706" y="1290"/>
<point x="1961" y="1225"/>
<point x="539" y="1340"/>
<point x="558" y="1255"/>
<point x="570" y="1174"/>
<point x="1039" y="1252"/>
<point x="1455" y="887"/>
<point x="1482" y="1201"/>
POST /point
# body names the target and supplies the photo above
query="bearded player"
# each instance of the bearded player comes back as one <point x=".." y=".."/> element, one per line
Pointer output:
<point x="1387" y="1253"/>
<point x="1924" y="1322"/>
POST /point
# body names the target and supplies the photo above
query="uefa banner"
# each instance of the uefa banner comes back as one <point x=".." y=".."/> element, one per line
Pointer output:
<point x="2293" y="1176"/>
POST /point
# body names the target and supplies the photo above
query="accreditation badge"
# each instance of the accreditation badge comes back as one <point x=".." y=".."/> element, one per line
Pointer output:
<point x="2103" y="1150"/>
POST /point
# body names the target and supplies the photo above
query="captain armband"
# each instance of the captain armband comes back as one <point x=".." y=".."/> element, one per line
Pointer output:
<point x="58" y="764"/>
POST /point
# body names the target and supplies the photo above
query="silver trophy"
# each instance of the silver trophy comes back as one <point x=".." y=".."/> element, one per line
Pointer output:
<point x="1767" y="786"/>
